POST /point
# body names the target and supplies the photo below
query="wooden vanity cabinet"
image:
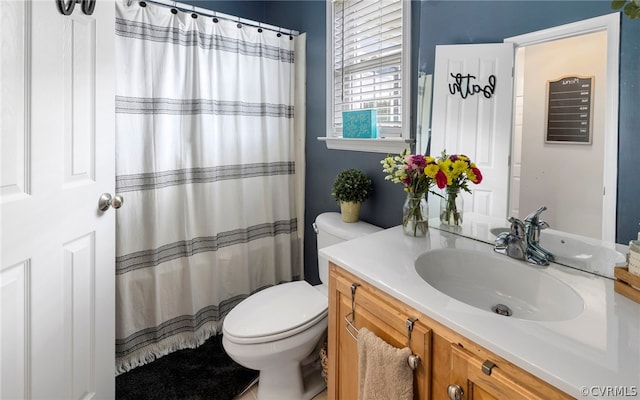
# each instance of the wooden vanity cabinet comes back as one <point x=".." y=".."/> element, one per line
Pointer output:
<point x="382" y="315"/>
<point x="447" y="358"/>
<point x="478" y="382"/>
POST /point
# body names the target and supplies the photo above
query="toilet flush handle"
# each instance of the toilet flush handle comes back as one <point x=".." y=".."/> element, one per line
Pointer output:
<point x="315" y="228"/>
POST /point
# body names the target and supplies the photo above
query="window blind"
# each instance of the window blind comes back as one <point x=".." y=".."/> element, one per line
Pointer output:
<point x="368" y="61"/>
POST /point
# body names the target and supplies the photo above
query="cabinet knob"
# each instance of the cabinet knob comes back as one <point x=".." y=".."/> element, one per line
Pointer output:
<point x="455" y="392"/>
<point x="414" y="361"/>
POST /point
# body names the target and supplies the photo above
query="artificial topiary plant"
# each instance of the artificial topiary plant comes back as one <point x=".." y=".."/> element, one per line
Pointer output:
<point x="631" y="7"/>
<point x="351" y="185"/>
<point x="350" y="189"/>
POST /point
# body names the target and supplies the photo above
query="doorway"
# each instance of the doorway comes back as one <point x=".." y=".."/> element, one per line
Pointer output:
<point x="548" y="173"/>
<point x="582" y="202"/>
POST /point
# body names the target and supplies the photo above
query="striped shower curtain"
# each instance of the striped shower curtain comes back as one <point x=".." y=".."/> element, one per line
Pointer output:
<point x="209" y="162"/>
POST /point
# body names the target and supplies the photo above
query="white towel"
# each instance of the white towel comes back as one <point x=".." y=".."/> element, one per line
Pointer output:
<point x="384" y="373"/>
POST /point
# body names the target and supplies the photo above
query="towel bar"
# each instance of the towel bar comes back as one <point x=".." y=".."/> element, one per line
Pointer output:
<point x="413" y="360"/>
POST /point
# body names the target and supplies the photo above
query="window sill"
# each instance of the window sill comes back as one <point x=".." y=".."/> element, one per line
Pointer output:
<point x="386" y="146"/>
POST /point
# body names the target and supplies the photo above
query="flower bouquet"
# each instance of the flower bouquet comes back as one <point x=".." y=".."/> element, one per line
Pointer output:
<point x="454" y="173"/>
<point x="417" y="174"/>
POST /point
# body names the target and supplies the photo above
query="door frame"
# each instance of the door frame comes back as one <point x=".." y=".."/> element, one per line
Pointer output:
<point x="611" y="24"/>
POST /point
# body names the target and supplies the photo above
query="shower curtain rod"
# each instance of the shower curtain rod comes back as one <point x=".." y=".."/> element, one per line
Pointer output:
<point x="215" y="14"/>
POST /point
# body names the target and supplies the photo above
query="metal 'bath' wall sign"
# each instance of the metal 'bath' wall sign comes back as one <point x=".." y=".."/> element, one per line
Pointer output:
<point x="466" y="86"/>
<point x="66" y="6"/>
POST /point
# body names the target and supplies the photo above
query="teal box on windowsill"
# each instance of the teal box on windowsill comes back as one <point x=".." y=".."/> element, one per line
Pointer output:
<point x="359" y="124"/>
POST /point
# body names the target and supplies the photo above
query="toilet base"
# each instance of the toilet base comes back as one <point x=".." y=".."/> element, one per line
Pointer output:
<point x="302" y="382"/>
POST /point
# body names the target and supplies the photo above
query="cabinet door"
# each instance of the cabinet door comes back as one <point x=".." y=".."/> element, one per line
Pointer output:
<point x="383" y="316"/>
<point x="467" y="373"/>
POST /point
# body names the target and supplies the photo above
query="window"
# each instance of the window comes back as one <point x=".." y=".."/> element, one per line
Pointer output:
<point x="368" y="68"/>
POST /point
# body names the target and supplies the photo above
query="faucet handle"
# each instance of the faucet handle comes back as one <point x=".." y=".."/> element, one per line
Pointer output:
<point x="543" y="224"/>
<point x="534" y="215"/>
<point x="517" y="227"/>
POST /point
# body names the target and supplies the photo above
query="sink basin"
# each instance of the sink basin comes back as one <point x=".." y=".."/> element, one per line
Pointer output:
<point x="577" y="251"/>
<point x="496" y="283"/>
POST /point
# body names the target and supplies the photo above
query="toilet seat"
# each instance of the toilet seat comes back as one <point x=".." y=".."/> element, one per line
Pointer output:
<point x="275" y="313"/>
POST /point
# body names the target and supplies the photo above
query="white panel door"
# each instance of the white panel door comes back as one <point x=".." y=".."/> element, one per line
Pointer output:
<point x="57" y="154"/>
<point x="472" y="102"/>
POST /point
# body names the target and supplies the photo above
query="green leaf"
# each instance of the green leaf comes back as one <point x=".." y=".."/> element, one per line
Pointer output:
<point x="630" y="10"/>
<point x="617" y="4"/>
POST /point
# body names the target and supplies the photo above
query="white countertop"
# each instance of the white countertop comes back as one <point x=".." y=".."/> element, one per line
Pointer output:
<point x="598" y="349"/>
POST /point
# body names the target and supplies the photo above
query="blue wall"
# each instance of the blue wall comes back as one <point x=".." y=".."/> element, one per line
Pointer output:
<point x="254" y="10"/>
<point x="442" y="22"/>
<point x="384" y="208"/>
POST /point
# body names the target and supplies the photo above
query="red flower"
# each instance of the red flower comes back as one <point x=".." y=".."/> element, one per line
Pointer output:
<point x="441" y="179"/>
<point x="478" y="175"/>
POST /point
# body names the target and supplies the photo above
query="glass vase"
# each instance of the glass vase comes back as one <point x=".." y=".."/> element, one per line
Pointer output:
<point x="415" y="215"/>
<point x="451" y="207"/>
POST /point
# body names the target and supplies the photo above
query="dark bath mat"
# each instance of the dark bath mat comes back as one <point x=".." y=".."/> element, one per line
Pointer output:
<point x="203" y="373"/>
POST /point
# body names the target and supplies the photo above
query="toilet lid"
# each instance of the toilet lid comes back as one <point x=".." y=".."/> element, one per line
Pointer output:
<point x="276" y="313"/>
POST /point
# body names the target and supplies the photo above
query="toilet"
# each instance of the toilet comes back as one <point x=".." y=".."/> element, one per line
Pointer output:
<point x="276" y="330"/>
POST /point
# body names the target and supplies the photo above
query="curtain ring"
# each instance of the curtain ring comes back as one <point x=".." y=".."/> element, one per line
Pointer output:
<point x="129" y="2"/>
<point x="193" y="12"/>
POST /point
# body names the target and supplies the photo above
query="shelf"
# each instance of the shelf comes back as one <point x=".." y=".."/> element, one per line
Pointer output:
<point x="395" y="145"/>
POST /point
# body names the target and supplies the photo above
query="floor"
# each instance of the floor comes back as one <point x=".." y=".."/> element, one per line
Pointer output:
<point x="252" y="394"/>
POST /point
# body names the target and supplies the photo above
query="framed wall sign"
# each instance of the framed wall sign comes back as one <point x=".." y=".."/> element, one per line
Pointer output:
<point x="569" y="110"/>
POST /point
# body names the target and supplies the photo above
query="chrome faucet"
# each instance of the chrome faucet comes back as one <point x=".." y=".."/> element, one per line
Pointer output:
<point x="534" y="225"/>
<point x="522" y="240"/>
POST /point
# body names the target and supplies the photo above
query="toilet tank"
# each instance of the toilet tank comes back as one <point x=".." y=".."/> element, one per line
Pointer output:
<point x="331" y="230"/>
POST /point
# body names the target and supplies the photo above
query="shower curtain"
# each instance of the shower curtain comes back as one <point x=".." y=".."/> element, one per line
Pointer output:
<point x="210" y="164"/>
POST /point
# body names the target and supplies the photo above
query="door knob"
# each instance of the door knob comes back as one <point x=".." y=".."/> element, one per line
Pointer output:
<point x="106" y="200"/>
<point x="455" y="392"/>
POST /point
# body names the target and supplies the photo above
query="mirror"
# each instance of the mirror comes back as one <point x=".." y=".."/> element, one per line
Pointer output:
<point x="559" y="120"/>
<point x="568" y="196"/>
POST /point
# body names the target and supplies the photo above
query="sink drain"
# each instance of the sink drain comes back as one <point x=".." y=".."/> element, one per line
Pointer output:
<point x="501" y="309"/>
